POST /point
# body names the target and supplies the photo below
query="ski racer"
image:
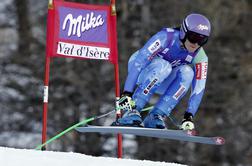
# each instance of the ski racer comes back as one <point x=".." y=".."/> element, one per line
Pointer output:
<point x="168" y="64"/>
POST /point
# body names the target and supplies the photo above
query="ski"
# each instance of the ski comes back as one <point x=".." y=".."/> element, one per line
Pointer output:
<point x="180" y="135"/>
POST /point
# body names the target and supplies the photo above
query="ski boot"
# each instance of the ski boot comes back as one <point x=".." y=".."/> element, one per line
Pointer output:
<point x="154" y="121"/>
<point x="130" y="118"/>
<point x="187" y="122"/>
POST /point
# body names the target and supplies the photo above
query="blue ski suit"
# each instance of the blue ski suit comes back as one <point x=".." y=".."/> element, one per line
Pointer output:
<point x="163" y="66"/>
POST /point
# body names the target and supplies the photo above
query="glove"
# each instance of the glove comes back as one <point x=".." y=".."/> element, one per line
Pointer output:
<point x="125" y="102"/>
<point x="187" y="123"/>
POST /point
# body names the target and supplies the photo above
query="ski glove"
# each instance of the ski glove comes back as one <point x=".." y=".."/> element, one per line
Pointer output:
<point x="125" y="102"/>
<point x="187" y="122"/>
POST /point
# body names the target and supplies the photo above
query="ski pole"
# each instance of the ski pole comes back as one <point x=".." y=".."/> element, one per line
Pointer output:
<point x="85" y="121"/>
<point x="147" y="109"/>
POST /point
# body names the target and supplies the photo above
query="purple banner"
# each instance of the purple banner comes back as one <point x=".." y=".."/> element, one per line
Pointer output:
<point x="83" y="25"/>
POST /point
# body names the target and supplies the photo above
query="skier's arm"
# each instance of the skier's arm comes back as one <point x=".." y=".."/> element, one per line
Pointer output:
<point x="144" y="56"/>
<point x="199" y="81"/>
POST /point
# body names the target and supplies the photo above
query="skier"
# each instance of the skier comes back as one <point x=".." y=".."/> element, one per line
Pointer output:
<point x="168" y="64"/>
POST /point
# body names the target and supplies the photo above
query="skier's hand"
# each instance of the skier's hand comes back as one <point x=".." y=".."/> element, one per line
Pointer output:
<point x="187" y="122"/>
<point x="187" y="125"/>
<point x="125" y="102"/>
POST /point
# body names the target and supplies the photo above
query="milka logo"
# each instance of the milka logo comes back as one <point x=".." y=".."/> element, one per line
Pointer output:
<point x="202" y="27"/>
<point x="77" y="26"/>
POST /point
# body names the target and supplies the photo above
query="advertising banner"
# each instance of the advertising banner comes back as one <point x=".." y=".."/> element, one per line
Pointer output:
<point x="82" y="31"/>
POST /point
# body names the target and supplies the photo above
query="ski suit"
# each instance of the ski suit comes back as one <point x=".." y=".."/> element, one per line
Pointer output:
<point x="163" y="66"/>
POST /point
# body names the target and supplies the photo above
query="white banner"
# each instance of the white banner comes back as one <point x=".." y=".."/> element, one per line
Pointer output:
<point x="83" y="51"/>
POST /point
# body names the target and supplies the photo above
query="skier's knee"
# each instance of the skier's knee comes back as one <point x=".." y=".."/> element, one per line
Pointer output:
<point x="186" y="73"/>
<point x="163" y="70"/>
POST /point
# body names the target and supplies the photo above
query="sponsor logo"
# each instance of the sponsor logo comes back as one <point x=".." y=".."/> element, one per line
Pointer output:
<point x="79" y="25"/>
<point x="189" y="58"/>
<point x="83" y="25"/>
<point x="204" y="70"/>
<point x="165" y="50"/>
<point x="83" y="51"/>
<point x="169" y="30"/>
<point x="150" y="85"/>
<point x="198" y="71"/>
<point x="202" y="27"/>
<point x="179" y="93"/>
<point x="201" y="70"/>
<point x="155" y="46"/>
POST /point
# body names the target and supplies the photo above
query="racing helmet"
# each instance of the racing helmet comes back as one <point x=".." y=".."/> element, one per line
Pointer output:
<point x="196" y="28"/>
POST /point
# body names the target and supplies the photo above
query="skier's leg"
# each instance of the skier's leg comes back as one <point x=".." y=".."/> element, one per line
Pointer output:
<point x="175" y="91"/>
<point x="149" y="80"/>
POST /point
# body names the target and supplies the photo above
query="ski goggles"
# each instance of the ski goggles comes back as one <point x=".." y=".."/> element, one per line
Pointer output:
<point x="196" y="38"/>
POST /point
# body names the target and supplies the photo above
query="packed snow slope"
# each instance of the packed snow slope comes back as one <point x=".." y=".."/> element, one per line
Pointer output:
<point x="18" y="157"/>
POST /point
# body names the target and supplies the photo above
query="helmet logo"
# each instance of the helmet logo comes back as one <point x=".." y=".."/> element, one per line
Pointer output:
<point x="202" y="27"/>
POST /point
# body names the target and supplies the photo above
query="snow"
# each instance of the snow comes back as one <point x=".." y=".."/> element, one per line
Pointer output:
<point x="17" y="157"/>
